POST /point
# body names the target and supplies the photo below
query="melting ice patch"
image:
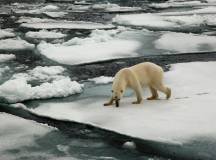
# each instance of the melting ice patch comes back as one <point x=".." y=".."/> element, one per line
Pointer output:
<point x="185" y="42"/>
<point x="53" y="84"/>
<point x="94" y="48"/>
<point x="188" y="114"/>
<point x="15" y="44"/>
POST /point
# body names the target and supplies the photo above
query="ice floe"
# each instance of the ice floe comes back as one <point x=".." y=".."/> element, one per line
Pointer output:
<point x="111" y="7"/>
<point x="16" y="133"/>
<point x="187" y="115"/>
<point x="15" y="44"/>
<point x="101" y="80"/>
<point x="162" y="22"/>
<point x="185" y="42"/>
<point x="77" y="25"/>
<point x="54" y="84"/>
<point x="56" y="14"/>
<point x="171" y="3"/>
<point x="44" y="34"/>
<point x="94" y="48"/>
<point x="204" y="10"/>
<point x="6" y="57"/>
<point x="6" y="34"/>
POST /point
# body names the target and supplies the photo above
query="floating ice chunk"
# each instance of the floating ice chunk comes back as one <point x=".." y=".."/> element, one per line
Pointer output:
<point x="33" y="20"/>
<point x="67" y="25"/>
<point x="15" y="44"/>
<point x="86" y="53"/>
<point x="6" y="34"/>
<point x="44" y="34"/>
<point x="110" y="7"/>
<point x="101" y="80"/>
<point x="55" y="14"/>
<point x="96" y="36"/>
<point x="54" y="85"/>
<point x="205" y="10"/>
<point x="16" y="90"/>
<point x="49" y="7"/>
<point x="145" y="20"/>
<point x="187" y="115"/>
<point x="184" y="42"/>
<point x="6" y="57"/>
<point x="177" y="4"/>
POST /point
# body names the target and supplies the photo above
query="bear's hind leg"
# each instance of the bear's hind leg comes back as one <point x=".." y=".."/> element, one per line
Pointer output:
<point x="154" y="94"/>
<point x="164" y="89"/>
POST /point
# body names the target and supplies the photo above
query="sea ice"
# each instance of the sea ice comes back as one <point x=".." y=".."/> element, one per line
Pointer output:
<point x="187" y="115"/>
<point x="186" y="42"/>
<point x="54" y="84"/>
<point x="44" y="34"/>
<point x="15" y="44"/>
<point x="101" y="80"/>
<point x="6" y="57"/>
<point x="6" y="34"/>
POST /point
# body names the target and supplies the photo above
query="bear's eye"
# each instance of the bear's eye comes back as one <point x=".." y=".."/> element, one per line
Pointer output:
<point x="121" y="91"/>
<point x="111" y="90"/>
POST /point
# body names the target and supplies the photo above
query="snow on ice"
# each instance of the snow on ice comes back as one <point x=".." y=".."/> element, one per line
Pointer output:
<point x="54" y="84"/>
<point x="187" y="115"/>
<point x="94" y="48"/>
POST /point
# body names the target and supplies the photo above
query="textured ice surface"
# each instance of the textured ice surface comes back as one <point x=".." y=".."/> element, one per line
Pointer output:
<point x="53" y="84"/>
<point x="96" y="47"/>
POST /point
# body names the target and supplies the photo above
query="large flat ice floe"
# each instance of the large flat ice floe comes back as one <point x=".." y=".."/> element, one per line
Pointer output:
<point x="164" y="22"/>
<point x="73" y="25"/>
<point x="99" y="46"/>
<point x="187" y="42"/>
<point x="17" y="133"/>
<point x="53" y="84"/>
<point x="187" y="115"/>
<point x="15" y="44"/>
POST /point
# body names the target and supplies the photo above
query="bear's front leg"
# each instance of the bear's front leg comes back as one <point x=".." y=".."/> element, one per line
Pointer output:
<point x="109" y="103"/>
<point x="139" y="98"/>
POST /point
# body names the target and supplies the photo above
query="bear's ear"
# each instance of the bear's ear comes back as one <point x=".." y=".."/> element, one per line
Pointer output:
<point x="121" y="91"/>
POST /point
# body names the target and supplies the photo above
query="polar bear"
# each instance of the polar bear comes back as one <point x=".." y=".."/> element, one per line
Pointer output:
<point x="136" y="77"/>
